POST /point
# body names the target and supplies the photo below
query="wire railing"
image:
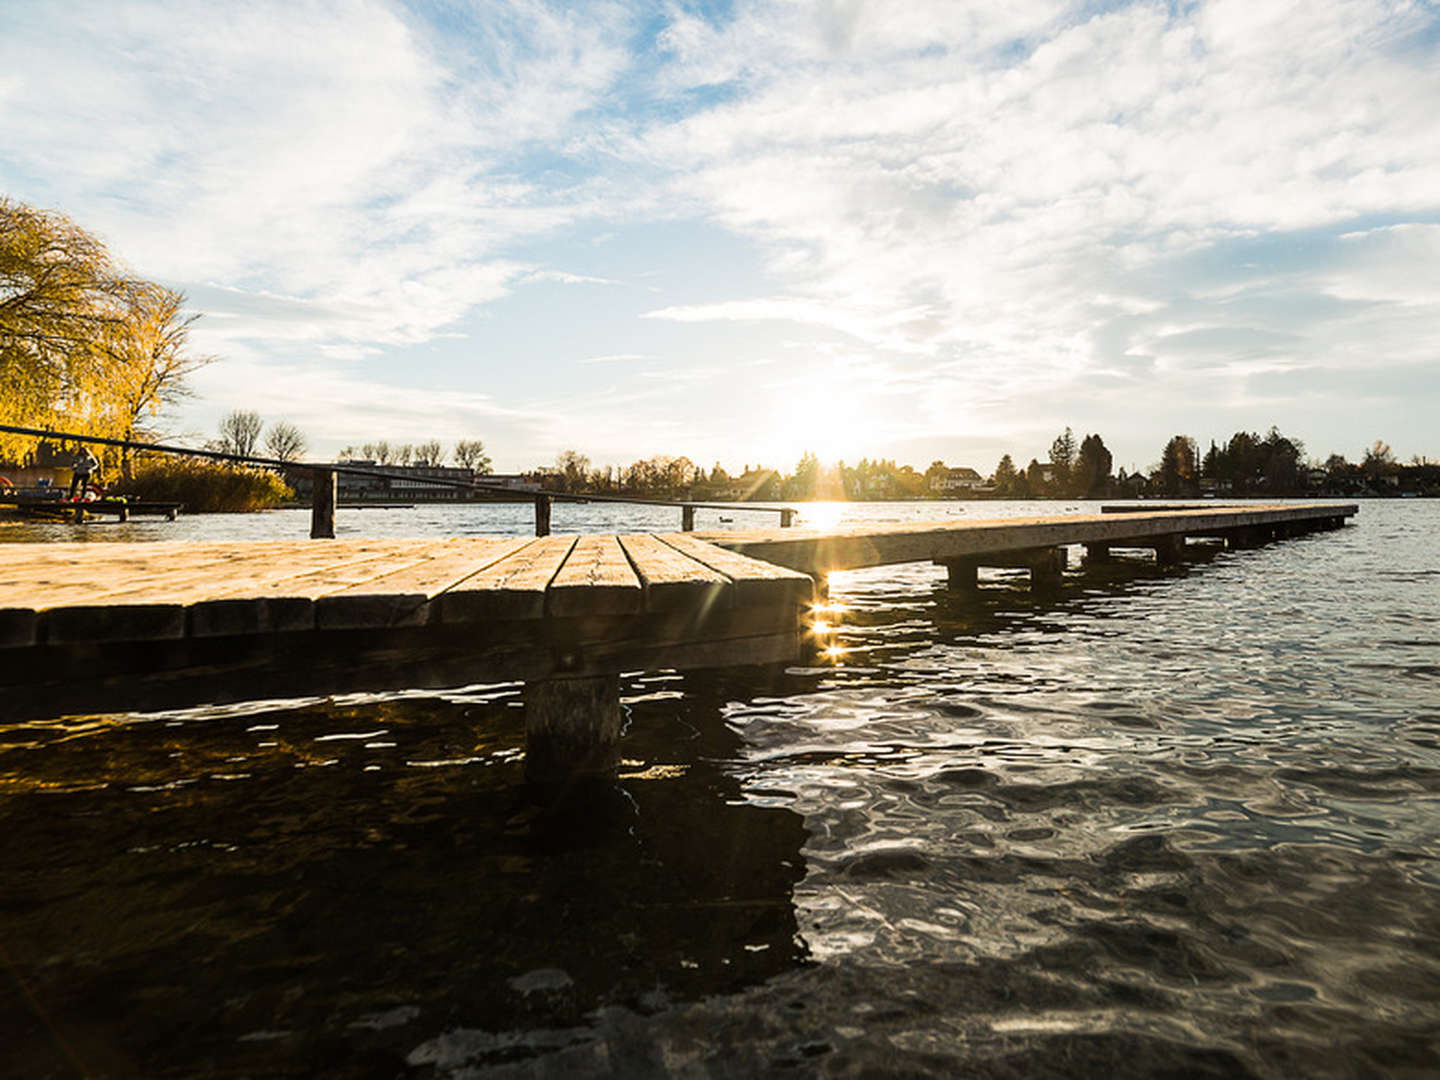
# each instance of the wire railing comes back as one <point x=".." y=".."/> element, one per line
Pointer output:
<point x="324" y="484"/>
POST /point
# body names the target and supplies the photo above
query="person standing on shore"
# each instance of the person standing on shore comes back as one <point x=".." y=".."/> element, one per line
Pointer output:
<point x="82" y="470"/>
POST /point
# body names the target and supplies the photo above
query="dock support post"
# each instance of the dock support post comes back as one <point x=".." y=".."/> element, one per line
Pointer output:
<point x="572" y="726"/>
<point x="961" y="574"/>
<point x="322" y="504"/>
<point x="1047" y="570"/>
<point x="1250" y="537"/>
<point x="787" y="516"/>
<point x="1095" y="554"/>
<point x="1169" y="550"/>
<point x="687" y="519"/>
<point x="542" y="515"/>
<point x="124" y="514"/>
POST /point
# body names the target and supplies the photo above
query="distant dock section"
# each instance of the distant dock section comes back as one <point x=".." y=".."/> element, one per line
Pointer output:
<point x="1039" y="543"/>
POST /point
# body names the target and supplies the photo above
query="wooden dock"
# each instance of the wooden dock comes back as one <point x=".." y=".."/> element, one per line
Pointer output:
<point x="1038" y="543"/>
<point x="110" y="627"/>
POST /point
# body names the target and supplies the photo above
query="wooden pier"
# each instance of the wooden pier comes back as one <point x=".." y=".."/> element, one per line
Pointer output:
<point x="110" y="627"/>
<point x="1039" y="543"/>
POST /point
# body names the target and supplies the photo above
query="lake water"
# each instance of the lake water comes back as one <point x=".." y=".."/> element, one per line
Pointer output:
<point x="1179" y="821"/>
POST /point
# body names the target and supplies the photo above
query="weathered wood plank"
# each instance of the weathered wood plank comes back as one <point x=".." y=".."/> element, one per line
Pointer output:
<point x="403" y="598"/>
<point x="754" y="582"/>
<point x="673" y="580"/>
<point x="276" y="585"/>
<point x="595" y="579"/>
<point x="128" y="573"/>
<point x="512" y="588"/>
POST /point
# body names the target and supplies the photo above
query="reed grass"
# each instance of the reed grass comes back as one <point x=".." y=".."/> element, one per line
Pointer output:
<point x="205" y="487"/>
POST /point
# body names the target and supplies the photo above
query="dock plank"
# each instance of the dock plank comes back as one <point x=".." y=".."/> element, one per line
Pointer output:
<point x="754" y="581"/>
<point x="512" y="588"/>
<point x="404" y="597"/>
<point x="595" y="579"/>
<point x="673" y="579"/>
<point x="193" y="594"/>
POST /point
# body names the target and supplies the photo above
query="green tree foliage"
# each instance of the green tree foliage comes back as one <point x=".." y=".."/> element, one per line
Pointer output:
<point x="802" y="483"/>
<point x="1091" y="475"/>
<point x="1177" y="465"/>
<point x="1062" y="460"/>
<point x="1005" y="476"/>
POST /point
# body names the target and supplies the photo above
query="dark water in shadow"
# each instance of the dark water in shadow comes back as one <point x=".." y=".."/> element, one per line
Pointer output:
<point x="1171" y="822"/>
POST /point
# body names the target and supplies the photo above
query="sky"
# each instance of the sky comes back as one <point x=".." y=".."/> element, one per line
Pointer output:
<point x="739" y="231"/>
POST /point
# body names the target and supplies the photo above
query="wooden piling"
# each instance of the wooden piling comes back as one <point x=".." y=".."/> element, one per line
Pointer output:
<point x="787" y="518"/>
<point x="1169" y="550"/>
<point x="1047" y="569"/>
<point x="572" y="727"/>
<point x="322" y="505"/>
<point x="687" y="519"/>
<point x="542" y="515"/>
<point x="962" y="574"/>
<point x="1097" y="554"/>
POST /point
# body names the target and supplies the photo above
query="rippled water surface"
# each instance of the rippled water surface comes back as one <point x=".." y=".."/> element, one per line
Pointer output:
<point x="1169" y="822"/>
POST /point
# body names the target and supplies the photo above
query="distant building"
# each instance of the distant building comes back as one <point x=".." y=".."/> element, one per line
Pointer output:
<point x="956" y="480"/>
<point x="761" y="485"/>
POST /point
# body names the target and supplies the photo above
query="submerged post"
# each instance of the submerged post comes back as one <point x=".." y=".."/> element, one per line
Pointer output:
<point x="1169" y="550"/>
<point x="542" y="515"/>
<point x="687" y="519"/>
<point x="1047" y="569"/>
<point x="572" y="726"/>
<point x="322" y="504"/>
<point x="961" y="574"/>
<point x="786" y="517"/>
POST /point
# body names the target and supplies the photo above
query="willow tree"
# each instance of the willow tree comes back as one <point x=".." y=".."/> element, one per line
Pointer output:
<point x="59" y="292"/>
<point x="145" y="361"/>
<point x="83" y="344"/>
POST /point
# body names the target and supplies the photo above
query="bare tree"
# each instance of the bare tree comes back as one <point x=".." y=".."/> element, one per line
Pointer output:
<point x="572" y="467"/>
<point x="470" y="454"/>
<point x="240" y="431"/>
<point x="429" y="453"/>
<point x="284" y="441"/>
<point x="145" y="359"/>
<point x="404" y="454"/>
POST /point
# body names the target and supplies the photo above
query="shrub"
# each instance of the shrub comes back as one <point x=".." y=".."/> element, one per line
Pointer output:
<point x="204" y="487"/>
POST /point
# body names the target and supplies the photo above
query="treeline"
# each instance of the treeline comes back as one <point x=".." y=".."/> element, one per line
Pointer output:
<point x="1246" y="464"/>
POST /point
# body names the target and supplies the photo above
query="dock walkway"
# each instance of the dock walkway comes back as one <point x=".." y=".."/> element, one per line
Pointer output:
<point x="107" y="627"/>
<point x="1039" y="543"/>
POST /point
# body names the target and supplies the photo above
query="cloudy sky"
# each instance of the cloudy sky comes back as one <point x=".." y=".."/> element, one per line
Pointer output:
<point x="740" y="230"/>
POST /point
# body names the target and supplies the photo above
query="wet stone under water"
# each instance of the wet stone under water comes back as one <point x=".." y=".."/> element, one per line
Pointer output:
<point x="1169" y="822"/>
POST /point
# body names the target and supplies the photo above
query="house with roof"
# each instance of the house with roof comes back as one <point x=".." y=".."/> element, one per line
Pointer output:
<point x="952" y="480"/>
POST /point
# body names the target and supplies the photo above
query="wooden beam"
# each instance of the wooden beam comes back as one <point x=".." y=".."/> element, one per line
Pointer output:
<point x="322" y="504"/>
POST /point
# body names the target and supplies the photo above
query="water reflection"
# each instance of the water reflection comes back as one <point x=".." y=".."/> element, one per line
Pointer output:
<point x="1168" y="821"/>
<point x="342" y="884"/>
